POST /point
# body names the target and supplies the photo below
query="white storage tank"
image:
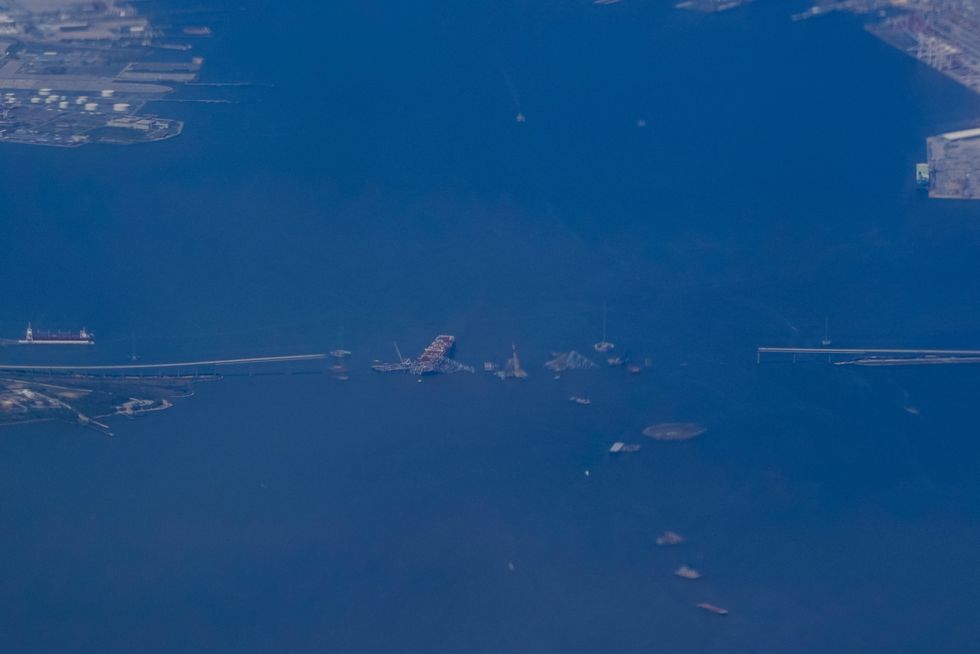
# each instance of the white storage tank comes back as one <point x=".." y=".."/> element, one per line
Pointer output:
<point x="120" y="106"/>
<point x="91" y="106"/>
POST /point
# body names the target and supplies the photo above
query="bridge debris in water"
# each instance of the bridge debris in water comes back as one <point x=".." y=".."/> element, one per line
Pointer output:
<point x="572" y="360"/>
<point x="512" y="369"/>
<point x="670" y="538"/>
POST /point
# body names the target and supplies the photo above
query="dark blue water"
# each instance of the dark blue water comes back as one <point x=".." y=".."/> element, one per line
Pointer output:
<point x="375" y="187"/>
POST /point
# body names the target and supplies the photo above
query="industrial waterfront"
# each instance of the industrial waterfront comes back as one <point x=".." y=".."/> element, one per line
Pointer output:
<point x="383" y="192"/>
<point x="73" y="73"/>
<point x="944" y="35"/>
<point x="86" y="394"/>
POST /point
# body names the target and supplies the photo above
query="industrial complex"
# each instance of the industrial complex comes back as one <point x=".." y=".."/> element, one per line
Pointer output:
<point x="953" y="170"/>
<point x="73" y="73"/>
<point x="944" y="35"/>
<point x="85" y="394"/>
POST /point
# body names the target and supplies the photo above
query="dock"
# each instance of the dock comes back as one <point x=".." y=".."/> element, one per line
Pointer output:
<point x="874" y="356"/>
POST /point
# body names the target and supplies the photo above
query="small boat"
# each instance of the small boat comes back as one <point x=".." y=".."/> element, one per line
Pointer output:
<point x="634" y="369"/>
<point x="197" y="30"/>
<point x="717" y="610"/>
<point x="603" y="346"/>
<point x="580" y="400"/>
<point x="686" y="572"/>
<point x="670" y="538"/>
<point x="619" y="447"/>
<point x="615" y="361"/>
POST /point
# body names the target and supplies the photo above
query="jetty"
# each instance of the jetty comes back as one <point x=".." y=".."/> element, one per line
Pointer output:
<point x="870" y="356"/>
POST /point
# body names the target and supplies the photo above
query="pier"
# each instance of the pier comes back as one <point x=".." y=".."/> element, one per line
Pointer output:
<point x="178" y="367"/>
<point x="876" y="356"/>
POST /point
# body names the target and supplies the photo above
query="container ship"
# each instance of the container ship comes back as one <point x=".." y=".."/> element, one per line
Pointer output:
<point x="433" y="356"/>
<point x="436" y="358"/>
<point x="32" y="337"/>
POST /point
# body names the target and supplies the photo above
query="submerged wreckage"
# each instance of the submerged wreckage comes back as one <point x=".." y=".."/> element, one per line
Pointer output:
<point x="512" y="369"/>
<point x="572" y="360"/>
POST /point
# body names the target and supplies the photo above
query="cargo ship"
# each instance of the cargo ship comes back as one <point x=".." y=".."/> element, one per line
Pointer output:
<point x="432" y="357"/>
<point x="32" y="337"/>
<point x="436" y="358"/>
